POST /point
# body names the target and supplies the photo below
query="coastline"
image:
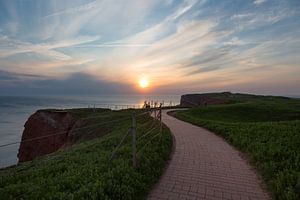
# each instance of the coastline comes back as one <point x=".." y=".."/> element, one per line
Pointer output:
<point x="15" y="110"/>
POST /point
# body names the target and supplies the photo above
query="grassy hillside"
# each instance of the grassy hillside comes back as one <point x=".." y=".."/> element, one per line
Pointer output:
<point x="241" y="97"/>
<point x="267" y="129"/>
<point x="82" y="171"/>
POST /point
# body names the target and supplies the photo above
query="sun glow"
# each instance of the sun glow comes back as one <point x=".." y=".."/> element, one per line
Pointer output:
<point x="144" y="83"/>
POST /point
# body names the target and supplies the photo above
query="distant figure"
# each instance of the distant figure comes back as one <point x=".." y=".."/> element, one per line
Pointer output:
<point x="146" y="105"/>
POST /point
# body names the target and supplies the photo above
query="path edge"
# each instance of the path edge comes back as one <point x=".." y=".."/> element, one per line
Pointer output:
<point x="243" y="155"/>
<point x="166" y="164"/>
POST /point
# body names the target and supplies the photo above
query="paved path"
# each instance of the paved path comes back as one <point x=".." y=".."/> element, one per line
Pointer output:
<point x="204" y="166"/>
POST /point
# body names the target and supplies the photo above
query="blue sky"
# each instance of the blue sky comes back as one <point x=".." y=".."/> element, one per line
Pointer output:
<point x="180" y="46"/>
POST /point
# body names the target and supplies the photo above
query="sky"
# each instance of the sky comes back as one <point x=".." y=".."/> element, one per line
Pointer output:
<point x="180" y="46"/>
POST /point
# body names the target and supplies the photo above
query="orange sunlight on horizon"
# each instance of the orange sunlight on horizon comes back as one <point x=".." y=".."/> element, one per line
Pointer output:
<point x="143" y="83"/>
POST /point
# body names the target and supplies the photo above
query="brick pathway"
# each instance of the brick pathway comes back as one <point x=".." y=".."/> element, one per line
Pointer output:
<point x="204" y="166"/>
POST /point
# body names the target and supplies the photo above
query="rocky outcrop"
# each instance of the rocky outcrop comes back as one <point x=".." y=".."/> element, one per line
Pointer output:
<point x="45" y="132"/>
<point x="192" y="100"/>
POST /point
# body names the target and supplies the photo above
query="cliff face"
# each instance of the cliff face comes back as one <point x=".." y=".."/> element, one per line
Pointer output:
<point x="192" y="100"/>
<point x="45" y="132"/>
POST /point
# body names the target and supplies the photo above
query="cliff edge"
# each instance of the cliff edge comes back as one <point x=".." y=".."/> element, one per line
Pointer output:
<point x="45" y="132"/>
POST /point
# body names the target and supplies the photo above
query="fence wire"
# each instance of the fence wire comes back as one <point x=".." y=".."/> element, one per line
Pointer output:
<point x="62" y="132"/>
<point x="139" y="142"/>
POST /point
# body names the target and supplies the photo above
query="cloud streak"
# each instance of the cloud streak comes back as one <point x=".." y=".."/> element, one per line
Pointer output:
<point x="258" y="2"/>
<point x="11" y="47"/>
<point x="76" y="83"/>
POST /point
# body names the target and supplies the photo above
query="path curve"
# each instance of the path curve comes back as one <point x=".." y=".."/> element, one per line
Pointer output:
<point x="204" y="166"/>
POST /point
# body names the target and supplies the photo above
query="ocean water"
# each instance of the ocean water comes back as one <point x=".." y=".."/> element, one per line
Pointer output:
<point x="15" y="110"/>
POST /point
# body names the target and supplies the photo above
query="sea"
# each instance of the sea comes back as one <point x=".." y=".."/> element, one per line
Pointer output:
<point x="15" y="110"/>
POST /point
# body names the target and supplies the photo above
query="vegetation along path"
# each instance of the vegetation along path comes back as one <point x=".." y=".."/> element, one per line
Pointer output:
<point x="204" y="166"/>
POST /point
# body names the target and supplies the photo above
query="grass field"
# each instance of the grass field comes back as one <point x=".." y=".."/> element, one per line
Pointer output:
<point x="82" y="171"/>
<point x="267" y="129"/>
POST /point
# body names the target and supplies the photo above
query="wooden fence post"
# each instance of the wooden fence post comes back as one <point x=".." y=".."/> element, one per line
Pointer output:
<point x="133" y="130"/>
<point x="155" y="114"/>
<point x="160" y="116"/>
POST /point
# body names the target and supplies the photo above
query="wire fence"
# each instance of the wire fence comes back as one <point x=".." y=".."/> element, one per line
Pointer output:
<point x="156" y="113"/>
<point x="54" y="133"/>
<point x="150" y="103"/>
<point x="153" y="109"/>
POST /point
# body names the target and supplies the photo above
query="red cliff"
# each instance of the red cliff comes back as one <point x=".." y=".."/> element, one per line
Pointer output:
<point x="45" y="132"/>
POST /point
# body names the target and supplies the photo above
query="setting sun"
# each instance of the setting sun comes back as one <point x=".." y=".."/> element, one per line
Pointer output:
<point x="144" y="83"/>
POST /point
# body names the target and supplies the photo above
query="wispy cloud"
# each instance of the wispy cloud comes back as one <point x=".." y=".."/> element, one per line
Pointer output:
<point x="11" y="76"/>
<point x="258" y="2"/>
<point x="185" y="7"/>
<point x="9" y="47"/>
<point x="114" y="44"/>
<point x="248" y="21"/>
<point x="74" y="10"/>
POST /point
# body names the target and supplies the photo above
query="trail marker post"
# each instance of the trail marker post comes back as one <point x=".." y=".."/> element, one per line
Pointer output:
<point x="160" y="115"/>
<point x="133" y="131"/>
<point x="155" y="116"/>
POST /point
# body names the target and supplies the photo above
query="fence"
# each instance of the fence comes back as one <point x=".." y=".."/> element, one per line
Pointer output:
<point x="151" y="103"/>
<point x="133" y="130"/>
<point x="154" y="110"/>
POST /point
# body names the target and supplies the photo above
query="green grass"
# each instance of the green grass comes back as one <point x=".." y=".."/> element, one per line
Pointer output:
<point x="82" y="171"/>
<point x="267" y="130"/>
<point x="241" y="98"/>
<point x="250" y="112"/>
